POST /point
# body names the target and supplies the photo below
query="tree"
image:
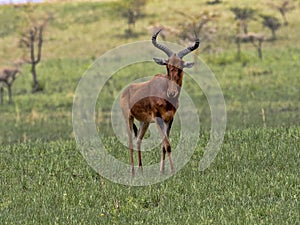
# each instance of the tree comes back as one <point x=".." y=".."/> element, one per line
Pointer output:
<point x="254" y="38"/>
<point x="243" y="15"/>
<point x="283" y="8"/>
<point x="214" y="2"/>
<point x="7" y="77"/>
<point x="272" y="23"/>
<point x="131" y="10"/>
<point x="31" y="39"/>
<point x="198" y="23"/>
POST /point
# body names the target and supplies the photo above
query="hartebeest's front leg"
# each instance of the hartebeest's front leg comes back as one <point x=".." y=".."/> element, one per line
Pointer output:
<point x="141" y="133"/>
<point x="164" y="128"/>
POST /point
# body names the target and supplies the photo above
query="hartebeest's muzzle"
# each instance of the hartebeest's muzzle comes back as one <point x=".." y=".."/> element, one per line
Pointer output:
<point x="172" y="90"/>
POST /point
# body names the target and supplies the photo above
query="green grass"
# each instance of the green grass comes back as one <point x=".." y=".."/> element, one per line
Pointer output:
<point x="252" y="181"/>
<point x="254" y="178"/>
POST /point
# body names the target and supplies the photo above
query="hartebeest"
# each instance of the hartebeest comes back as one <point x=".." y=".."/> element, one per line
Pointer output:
<point x="155" y="101"/>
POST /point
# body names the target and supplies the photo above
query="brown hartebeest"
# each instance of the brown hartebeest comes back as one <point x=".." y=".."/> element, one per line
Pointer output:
<point x="155" y="101"/>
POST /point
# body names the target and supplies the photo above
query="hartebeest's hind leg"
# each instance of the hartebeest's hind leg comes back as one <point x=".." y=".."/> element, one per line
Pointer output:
<point x="130" y="129"/>
<point x="164" y="129"/>
<point x="9" y="93"/>
<point x="168" y="145"/>
<point x="140" y="135"/>
<point x="1" y="94"/>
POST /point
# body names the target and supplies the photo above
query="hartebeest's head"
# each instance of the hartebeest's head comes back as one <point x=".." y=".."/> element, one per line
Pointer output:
<point x="174" y="64"/>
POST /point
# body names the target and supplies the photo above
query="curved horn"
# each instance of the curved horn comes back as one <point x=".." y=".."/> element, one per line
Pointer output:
<point x="186" y="51"/>
<point x="161" y="47"/>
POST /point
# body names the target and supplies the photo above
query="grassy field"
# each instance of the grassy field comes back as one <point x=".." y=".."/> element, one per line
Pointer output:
<point x="254" y="178"/>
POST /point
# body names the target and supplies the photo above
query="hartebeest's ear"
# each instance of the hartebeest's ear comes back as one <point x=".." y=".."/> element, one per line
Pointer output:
<point x="188" y="64"/>
<point x="160" y="61"/>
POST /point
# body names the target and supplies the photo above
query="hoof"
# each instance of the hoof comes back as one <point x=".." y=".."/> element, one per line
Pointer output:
<point x="132" y="172"/>
<point x="140" y="170"/>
